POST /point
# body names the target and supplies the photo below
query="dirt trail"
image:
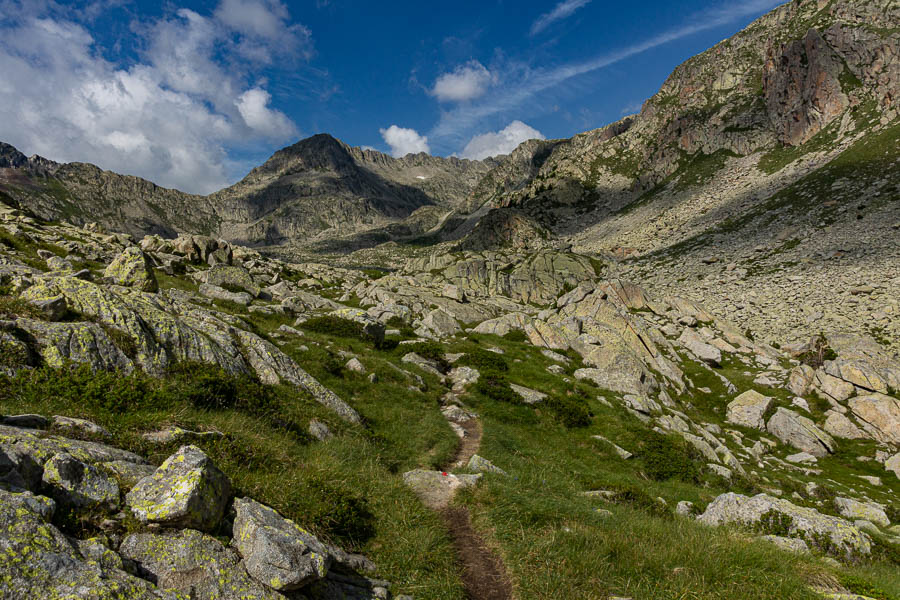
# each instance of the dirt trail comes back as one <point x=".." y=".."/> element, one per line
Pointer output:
<point x="484" y="575"/>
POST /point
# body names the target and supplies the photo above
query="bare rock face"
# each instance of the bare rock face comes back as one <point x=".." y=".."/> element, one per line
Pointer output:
<point x="802" y="522"/>
<point x="802" y="87"/>
<point x="800" y="432"/>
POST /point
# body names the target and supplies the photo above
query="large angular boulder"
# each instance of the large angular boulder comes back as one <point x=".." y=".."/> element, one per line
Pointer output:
<point x="800" y="432"/>
<point x="879" y="416"/>
<point x="708" y="353"/>
<point x="438" y="324"/>
<point x="79" y="485"/>
<point x="132" y="268"/>
<point x="219" y="293"/>
<point x="193" y="563"/>
<point x="277" y="551"/>
<point x="233" y="278"/>
<point x="809" y="524"/>
<point x="188" y="490"/>
<point x="748" y="410"/>
<point x="840" y="426"/>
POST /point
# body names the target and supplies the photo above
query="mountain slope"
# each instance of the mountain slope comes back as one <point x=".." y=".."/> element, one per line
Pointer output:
<point x="317" y="187"/>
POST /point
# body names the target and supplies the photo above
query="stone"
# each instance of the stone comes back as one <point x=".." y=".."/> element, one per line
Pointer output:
<point x="429" y="366"/>
<point x="462" y="377"/>
<point x="834" y="388"/>
<point x="41" y="562"/>
<point x="854" y="509"/>
<point x="893" y="464"/>
<point x="457" y="414"/>
<point x="174" y="434"/>
<point x="53" y="308"/>
<point x="802" y="458"/>
<point x="80" y="426"/>
<point x="790" y="544"/>
<point x="453" y="292"/>
<point x="75" y="484"/>
<point x="528" y="395"/>
<point x="232" y="278"/>
<point x="277" y="551"/>
<point x="800" y="432"/>
<point x="807" y="523"/>
<point x="800" y="380"/>
<point x="436" y="487"/>
<point x="132" y="268"/>
<point x="709" y="354"/>
<point x="623" y="453"/>
<point x="748" y="410"/>
<point x="320" y="430"/>
<point x="218" y="293"/>
<point x="684" y="508"/>
<point x="372" y="328"/>
<point x="438" y="324"/>
<point x="840" y="426"/>
<point x="879" y="416"/>
<point x="188" y="490"/>
<point x="480" y="464"/>
<point x="81" y="343"/>
<point x="194" y="564"/>
<point x="355" y="365"/>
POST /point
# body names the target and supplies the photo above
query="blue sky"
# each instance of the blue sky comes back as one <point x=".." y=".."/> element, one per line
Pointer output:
<point x="192" y="94"/>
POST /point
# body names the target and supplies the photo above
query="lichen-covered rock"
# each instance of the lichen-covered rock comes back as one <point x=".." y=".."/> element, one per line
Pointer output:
<point x="748" y="410"/>
<point x="41" y="563"/>
<point x="272" y="365"/>
<point x="800" y="432"/>
<point x="789" y="544"/>
<point x="479" y="464"/>
<point x="277" y="551"/>
<point x="78" y="485"/>
<point x="80" y="426"/>
<point x="175" y="434"/>
<point x="188" y="490"/>
<point x="830" y="534"/>
<point x="132" y="268"/>
<point x="854" y="509"/>
<point x="81" y="343"/>
<point x="194" y="564"/>
<point x="232" y="276"/>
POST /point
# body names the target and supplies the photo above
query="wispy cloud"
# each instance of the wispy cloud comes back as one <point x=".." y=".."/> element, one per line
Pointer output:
<point x="512" y="93"/>
<point x="563" y="10"/>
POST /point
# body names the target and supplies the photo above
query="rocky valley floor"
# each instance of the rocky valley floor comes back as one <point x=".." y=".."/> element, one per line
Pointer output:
<point x="190" y="418"/>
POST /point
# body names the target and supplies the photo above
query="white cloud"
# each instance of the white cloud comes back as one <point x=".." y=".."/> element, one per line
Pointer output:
<point x="254" y="108"/>
<point x="172" y="117"/>
<point x="500" y="142"/>
<point x="561" y="11"/>
<point x="466" y="82"/>
<point x="404" y="141"/>
<point x="518" y="88"/>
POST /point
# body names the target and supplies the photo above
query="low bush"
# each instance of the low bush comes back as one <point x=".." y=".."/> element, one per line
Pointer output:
<point x="484" y="360"/>
<point x="497" y="388"/>
<point x="666" y="457"/>
<point x="570" y="411"/>
<point x="515" y="335"/>
<point x="336" y="326"/>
